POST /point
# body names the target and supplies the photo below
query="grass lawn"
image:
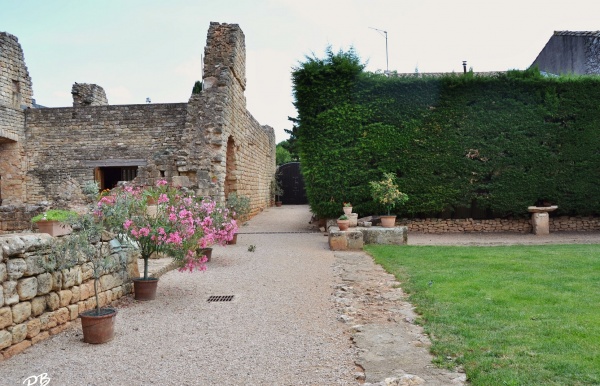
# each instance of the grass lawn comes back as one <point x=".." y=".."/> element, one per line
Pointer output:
<point x="510" y="315"/>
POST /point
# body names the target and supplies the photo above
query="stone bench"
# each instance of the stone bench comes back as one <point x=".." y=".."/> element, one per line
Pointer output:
<point x="355" y="238"/>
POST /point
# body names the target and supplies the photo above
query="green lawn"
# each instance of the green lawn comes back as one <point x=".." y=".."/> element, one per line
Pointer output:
<point x="511" y="315"/>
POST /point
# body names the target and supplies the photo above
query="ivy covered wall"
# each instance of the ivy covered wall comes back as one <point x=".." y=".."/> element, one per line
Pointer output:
<point x="461" y="145"/>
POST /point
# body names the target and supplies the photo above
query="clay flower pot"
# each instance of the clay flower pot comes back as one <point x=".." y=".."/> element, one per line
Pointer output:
<point x="343" y="224"/>
<point x="98" y="328"/>
<point x="205" y="252"/>
<point x="145" y="289"/>
<point x="388" y="221"/>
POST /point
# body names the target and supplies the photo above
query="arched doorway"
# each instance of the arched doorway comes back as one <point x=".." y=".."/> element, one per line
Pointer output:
<point x="230" y="168"/>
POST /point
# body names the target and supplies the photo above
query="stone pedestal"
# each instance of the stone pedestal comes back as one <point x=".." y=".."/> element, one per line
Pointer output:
<point x="540" y="219"/>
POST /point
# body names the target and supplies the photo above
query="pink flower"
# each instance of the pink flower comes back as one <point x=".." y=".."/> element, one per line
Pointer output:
<point x="127" y="224"/>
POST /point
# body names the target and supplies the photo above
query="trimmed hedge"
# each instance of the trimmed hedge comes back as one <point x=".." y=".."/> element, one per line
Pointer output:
<point x="461" y="145"/>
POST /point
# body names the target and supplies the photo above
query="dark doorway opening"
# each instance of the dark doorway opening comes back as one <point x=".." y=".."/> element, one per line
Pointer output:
<point x="108" y="177"/>
<point x="292" y="183"/>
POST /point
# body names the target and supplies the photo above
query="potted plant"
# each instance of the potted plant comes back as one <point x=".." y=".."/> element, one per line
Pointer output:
<point x="347" y="208"/>
<point x="276" y="190"/>
<point x="239" y="207"/>
<point x="54" y="222"/>
<point x="386" y="193"/>
<point x="84" y="246"/>
<point x="175" y="227"/>
<point x="343" y="222"/>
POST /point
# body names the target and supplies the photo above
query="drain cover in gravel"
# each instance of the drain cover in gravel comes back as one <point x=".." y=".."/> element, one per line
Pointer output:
<point x="220" y="298"/>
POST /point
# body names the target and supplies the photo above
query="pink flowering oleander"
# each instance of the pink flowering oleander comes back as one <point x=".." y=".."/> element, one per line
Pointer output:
<point x="179" y="225"/>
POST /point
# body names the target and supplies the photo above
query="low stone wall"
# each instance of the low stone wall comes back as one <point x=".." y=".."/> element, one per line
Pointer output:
<point x="557" y="224"/>
<point x="17" y="218"/>
<point x="36" y="304"/>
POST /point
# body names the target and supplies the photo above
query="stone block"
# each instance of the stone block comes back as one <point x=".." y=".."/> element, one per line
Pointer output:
<point x="5" y="339"/>
<point x="1" y="296"/>
<point x="16" y="349"/>
<point x="52" y="301"/>
<point x="344" y="240"/>
<point x="33" y="266"/>
<point x="5" y="317"/>
<point x="33" y="328"/>
<point x="87" y="271"/>
<point x="21" y="311"/>
<point x="47" y="321"/>
<point x="106" y="282"/>
<point x="27" y="288"/>
<point x="56" y="281"/>
<point x="3" y="272"/>
<point x="60" y="328"/>
<point x="76" y="292"/>
<point x="73" y="311"/>
<point x="380" y="235"/>
<point x="19" y="333"/>
<point x="71" y="277"/>
<point x="65" y="297"/>
<point x="44" y="283"/>
<point x="43" y="335"/>
<point x="16" y="268"/>
<point x="62" y="315"/>
<point x="38" y="305"/>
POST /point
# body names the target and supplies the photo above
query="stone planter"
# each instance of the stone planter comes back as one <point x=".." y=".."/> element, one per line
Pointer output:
<point x="347" y="210"/>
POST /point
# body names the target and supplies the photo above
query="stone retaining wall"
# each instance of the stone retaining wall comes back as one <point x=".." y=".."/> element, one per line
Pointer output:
<point x="36" y="304"/>
<point x="436" y="225"/>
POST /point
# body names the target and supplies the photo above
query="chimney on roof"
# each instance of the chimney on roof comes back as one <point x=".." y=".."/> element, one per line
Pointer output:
<point x="464" y="66"/>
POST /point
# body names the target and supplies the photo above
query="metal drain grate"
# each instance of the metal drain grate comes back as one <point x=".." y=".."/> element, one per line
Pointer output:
<point x="220" y="298"/>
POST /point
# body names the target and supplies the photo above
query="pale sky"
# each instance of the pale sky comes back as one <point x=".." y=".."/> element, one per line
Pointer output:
<point x="136" y="49"/>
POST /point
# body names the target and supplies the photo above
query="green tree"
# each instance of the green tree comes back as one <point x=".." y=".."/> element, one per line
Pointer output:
<point x="282" y="155"/>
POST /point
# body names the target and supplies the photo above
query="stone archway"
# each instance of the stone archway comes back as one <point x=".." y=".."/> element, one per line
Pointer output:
<point x="230" y="168"/>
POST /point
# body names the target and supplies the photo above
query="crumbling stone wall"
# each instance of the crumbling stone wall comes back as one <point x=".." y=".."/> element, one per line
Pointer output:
<point x="224" y="140"/>
<point x="15" y="83"/>
<point x="85" y="94"/>
<point x="36" y="304"/>
<point x="212" y="144"/>
<point x="69" y="143"/>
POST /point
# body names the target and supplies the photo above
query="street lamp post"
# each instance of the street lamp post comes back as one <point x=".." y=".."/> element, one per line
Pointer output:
<point x="387" y="67"/>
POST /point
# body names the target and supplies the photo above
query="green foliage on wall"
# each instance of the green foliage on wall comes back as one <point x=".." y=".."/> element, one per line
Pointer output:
<point x="461" y="145"/>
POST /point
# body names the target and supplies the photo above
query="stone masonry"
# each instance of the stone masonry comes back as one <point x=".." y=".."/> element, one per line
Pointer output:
<point x="211" y="144"/>
<point x="36" y="304"/>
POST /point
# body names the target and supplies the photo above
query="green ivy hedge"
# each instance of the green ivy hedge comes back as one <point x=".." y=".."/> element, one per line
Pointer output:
<point x="461" y="145"/>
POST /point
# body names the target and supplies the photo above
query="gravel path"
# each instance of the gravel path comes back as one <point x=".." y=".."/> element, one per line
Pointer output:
<point x="281" y="328"/>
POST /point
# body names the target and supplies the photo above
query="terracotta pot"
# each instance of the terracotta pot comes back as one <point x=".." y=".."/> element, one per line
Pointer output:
<point x="98" y="328"/>
<point x="53" y="227"/>
<point x="388" y="221"/>
<point x="206" y="252"/>
<point x="278" y="203"/>
<point x="233" y="240"/>
<point x="347" y="210"/>
<point x="145" y="289"/>
<point x="343" y="224"/>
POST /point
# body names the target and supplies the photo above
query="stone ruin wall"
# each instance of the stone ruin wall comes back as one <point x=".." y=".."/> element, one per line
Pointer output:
<point x="36" y="304"/>
<point x="211" y="144"/>
<point x="237" y="150"/>
<point x="85" y="94"/>
<point x="67" y="144"/>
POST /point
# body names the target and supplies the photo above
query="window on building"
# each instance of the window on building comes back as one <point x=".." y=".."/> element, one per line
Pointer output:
<point x="108" y="177"/>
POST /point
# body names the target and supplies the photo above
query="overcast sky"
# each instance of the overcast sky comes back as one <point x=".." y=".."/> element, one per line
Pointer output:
<point x="136" y="49"/>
